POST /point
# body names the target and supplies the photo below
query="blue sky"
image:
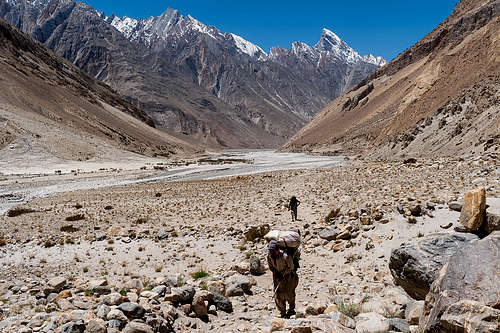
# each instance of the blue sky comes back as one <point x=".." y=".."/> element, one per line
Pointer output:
<point x="383" y="28"/>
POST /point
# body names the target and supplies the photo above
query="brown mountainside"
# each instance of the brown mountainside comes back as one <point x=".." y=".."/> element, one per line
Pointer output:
<point x="52" y="110"/>
<point x="439" y="97"/>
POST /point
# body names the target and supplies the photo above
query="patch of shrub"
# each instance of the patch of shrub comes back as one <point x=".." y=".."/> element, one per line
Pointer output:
<point x="200" y="274"/>
<point x="108" y="207"/>
<point x="16" y="211"/>
<point x="3" y="241"/>
<point x="349" y="309"/>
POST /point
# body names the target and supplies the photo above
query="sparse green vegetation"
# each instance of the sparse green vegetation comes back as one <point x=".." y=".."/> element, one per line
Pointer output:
<point x="85" y="269"/>
<point x="199" y="274"/>
<point x="349" y="309"/>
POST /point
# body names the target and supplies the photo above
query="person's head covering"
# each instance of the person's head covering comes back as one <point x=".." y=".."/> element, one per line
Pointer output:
<point x="273" y="246"/>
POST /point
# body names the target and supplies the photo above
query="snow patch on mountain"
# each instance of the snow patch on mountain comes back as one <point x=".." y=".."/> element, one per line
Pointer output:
<point x="125" y="25"/>
<point x="247" y="47"/>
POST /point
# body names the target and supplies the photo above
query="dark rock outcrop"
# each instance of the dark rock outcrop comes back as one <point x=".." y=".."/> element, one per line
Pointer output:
<point x="415" y="266"/>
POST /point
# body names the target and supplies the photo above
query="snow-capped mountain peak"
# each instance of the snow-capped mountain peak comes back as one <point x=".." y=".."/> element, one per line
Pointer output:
<point x="379" y="61"/>
<point x="330" y="42"/>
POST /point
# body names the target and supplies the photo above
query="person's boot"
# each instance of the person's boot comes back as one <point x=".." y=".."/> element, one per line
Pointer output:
<point x="290" y="313"/>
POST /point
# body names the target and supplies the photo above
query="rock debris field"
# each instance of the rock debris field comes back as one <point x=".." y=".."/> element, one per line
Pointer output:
<point x="190" y="256"/>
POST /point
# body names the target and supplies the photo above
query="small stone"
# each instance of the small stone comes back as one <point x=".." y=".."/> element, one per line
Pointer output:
<point x="416" y="210"/>
<point x="116" y="314"/>
<point x="256" y="267"/>
<point x="102" y="311"/>
<point x="96" y="326"/>
<point x="371" y="322"/>
<point x="183" y="294"/>
<point x="112" y="299"/>
<point x="222" y="303"/>
<point x="72" y="327"/>
<point x="160" y="290"/>
<point x="162" y="234"/>
<point x="137" y="327"/>
<point x="446" y="226"/>
<point x="455" y="206"/>
<point x="63" y="294"/>
<point x="57" y="283"/>
<point x="132" y="310"/>
<point x="412" y="220"/>
<point x="134" y="284"/>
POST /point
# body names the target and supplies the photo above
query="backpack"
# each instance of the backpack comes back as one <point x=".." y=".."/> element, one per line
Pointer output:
<point x="285" y="239"/>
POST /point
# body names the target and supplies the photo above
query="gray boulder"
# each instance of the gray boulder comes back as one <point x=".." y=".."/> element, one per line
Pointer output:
<point x="132" y="310"/>
<point x="329" y="233"/>
<point x="183" y="295"/>
<point x="221" y="303"/>
<point x="472" y="273"/>
<point x="416" y="265"/>
<point x="256" y="267"/>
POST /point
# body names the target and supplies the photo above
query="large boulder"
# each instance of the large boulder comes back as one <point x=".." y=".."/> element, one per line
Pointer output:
<point x="470" y="316"/>
<point x="473" y="209"/>
<point x="239" y="285"/>
<point x="416" y="265"/>
<point x="472" y="273"/>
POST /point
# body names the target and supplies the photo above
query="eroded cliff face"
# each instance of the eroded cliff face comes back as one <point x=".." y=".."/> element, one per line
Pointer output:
<point x="458" y="62"/>
<point x="215" y="88"/>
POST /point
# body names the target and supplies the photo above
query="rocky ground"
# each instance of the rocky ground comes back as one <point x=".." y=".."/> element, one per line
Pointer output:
<point x="160" y="257"/>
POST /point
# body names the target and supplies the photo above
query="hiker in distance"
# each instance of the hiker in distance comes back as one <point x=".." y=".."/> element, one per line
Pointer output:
<point x="294" y="203"/>
<point x="285" y="278"/>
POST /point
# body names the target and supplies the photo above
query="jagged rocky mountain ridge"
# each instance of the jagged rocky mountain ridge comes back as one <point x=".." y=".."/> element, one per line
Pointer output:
<point x="217" y="89"/>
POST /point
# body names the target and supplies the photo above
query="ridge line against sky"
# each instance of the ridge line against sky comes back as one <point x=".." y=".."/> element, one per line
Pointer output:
<point x="384" y="28"/>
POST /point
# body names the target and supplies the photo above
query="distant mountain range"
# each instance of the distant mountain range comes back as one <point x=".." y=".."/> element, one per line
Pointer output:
<point x="441" y="97"/>
<point x="193" y="81"/>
